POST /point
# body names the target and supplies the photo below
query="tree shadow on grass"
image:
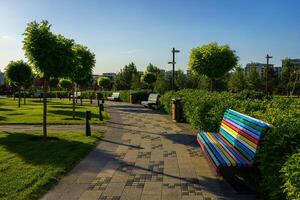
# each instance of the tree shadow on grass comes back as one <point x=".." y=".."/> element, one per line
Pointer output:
<point x="69" y="113"/>
<point x="61" y="107"/>
<point x="2" y="118"/>
<point x="6" y="109"/>
<point x="32" y="149"/>
<point x="15" y="114"/>
<point x="182" y="138"/>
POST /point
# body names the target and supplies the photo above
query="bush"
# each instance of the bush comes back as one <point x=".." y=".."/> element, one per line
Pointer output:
<point x="291" y="176"/>
<point x="278" y="157"/>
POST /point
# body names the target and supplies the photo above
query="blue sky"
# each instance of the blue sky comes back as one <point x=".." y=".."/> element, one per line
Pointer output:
<point x="143" y="31"/>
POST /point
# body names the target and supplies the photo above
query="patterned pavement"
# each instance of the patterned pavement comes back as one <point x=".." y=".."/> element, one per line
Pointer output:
<point x="144" y="155"/>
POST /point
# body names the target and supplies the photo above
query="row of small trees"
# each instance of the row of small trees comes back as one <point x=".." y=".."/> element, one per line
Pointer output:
<point x="51" y="56"/>
<point x="214" y="67"/>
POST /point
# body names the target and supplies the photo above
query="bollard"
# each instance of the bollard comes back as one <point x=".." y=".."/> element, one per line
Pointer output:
<point x="100" y="113"/>
<point x="87" y="123"/>
<point x="102" y="106"/>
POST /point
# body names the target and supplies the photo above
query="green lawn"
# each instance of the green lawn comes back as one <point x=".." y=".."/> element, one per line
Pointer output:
<point x="59" y="112"/>
<point x="29" y="166"/>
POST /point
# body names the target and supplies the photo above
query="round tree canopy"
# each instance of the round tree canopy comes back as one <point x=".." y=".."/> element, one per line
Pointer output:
<point x="212" y="60"/>
<point x="18" y="73"/>
<point x="149" y="78"/>
<point x="103" y="81"/>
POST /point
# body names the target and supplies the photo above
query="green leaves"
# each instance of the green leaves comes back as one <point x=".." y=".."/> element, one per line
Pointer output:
<point x="19" y="73"/>
<point x="212" y="60"/>
<point x="278" y="157"/>
<point x="148" y="78"/>
<point x="103" y="81"/>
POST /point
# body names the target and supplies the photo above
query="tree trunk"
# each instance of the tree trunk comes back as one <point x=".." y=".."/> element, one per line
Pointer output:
<point x="45" y="88"/>
<point x="73" y="103"/>
<point x="19" y="103"/>
<point x="24" y="98"/>
<point x="211" y="85"/>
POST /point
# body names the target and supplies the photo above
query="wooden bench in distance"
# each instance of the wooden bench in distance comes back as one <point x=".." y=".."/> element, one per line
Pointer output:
<point x="236" y="143"/>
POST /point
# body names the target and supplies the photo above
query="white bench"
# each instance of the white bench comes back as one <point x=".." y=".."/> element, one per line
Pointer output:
<point x="153" y="100"/>
<point x="114" y="97"/>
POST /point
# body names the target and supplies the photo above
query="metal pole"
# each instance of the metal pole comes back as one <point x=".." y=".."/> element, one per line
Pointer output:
<point x="173" y="72"/>
<point x="173" y="68"/>
<point x="266" y="71"/>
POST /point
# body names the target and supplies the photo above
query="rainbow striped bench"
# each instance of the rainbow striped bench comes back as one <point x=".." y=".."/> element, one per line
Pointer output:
<point x="236" y="143"/>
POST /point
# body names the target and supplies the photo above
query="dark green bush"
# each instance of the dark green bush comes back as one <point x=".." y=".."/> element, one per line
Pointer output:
<point x="291" y="176"/>
<point x="251" y="94"/>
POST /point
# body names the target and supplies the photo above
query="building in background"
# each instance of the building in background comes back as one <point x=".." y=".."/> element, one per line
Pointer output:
<point x="277" y="72"/>
<point x="111" y="76"/>
<point x="260" y="68"/>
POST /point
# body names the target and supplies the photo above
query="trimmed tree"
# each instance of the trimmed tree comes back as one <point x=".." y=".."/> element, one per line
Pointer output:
<point x="149" y="78"/>
<point x="103" y="82"/>
<point x="50" y="55"/>
<point x="65" y="84"/>
<point x="83" y="69"/>
<point x="253" y="79"/>
<point x="237" y="80"/>
<point x="212" y="60"/>
<point x="20" y="75"/>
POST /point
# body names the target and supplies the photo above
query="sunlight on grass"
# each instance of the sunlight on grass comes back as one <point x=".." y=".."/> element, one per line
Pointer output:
<point x="29" y="166"/>
<point x="59" y="112"/>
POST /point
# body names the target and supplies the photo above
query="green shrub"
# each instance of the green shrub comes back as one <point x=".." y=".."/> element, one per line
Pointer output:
<point x="278" y="157"/>
<point x="291" y="176"/>
<point x="280" y="143"/>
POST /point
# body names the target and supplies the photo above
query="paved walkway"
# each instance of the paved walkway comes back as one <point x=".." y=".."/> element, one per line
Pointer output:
<point x="144" y="155"/>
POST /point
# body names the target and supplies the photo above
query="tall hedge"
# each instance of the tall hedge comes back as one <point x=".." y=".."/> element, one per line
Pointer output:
<point x="278" y="157"/>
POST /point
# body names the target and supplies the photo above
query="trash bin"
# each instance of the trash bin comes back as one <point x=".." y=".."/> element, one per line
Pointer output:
<point x="177" y="110"/>
<point x="132" y="98"/>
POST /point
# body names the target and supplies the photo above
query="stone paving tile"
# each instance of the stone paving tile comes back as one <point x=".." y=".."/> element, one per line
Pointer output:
<point x="131" y="193"/>
<point x="151" y="157"/>
<point x="91" y="195"/>
<point x="171" y="193"/>
<point x="113" y="190"/>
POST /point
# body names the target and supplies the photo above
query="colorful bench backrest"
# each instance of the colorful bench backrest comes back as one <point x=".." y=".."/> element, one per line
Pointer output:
<point x="153" y="97"/>
<point x="243" y="132"/>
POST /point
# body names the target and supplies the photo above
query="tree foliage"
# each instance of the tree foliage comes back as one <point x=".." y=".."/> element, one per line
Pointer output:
<point x="84" y="63"/>
<point x="212" y="60"/>
<point x="103" y="81"/>
<point x="153" y="69"/>
<point x="149" y="78"/>
<point x="65" y="84"/>
<point x="126" y="76"/>
<point x="51" y="56"/>
<point x="19" y="75"/>
<point x="237" y="80"/>
<point x="253" y="79"/>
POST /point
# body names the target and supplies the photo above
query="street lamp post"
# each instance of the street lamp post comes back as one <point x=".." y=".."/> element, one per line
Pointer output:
<point x="173" y="70"/>
<point x="266" y="71"/>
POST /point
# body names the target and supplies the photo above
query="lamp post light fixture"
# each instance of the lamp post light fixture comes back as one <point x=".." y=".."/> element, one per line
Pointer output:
<point x="173" y="70"/>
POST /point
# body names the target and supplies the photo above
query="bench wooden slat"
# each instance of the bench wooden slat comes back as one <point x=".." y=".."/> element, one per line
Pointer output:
<point x="250" y="119"/>
<point x="236" y="143"/>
